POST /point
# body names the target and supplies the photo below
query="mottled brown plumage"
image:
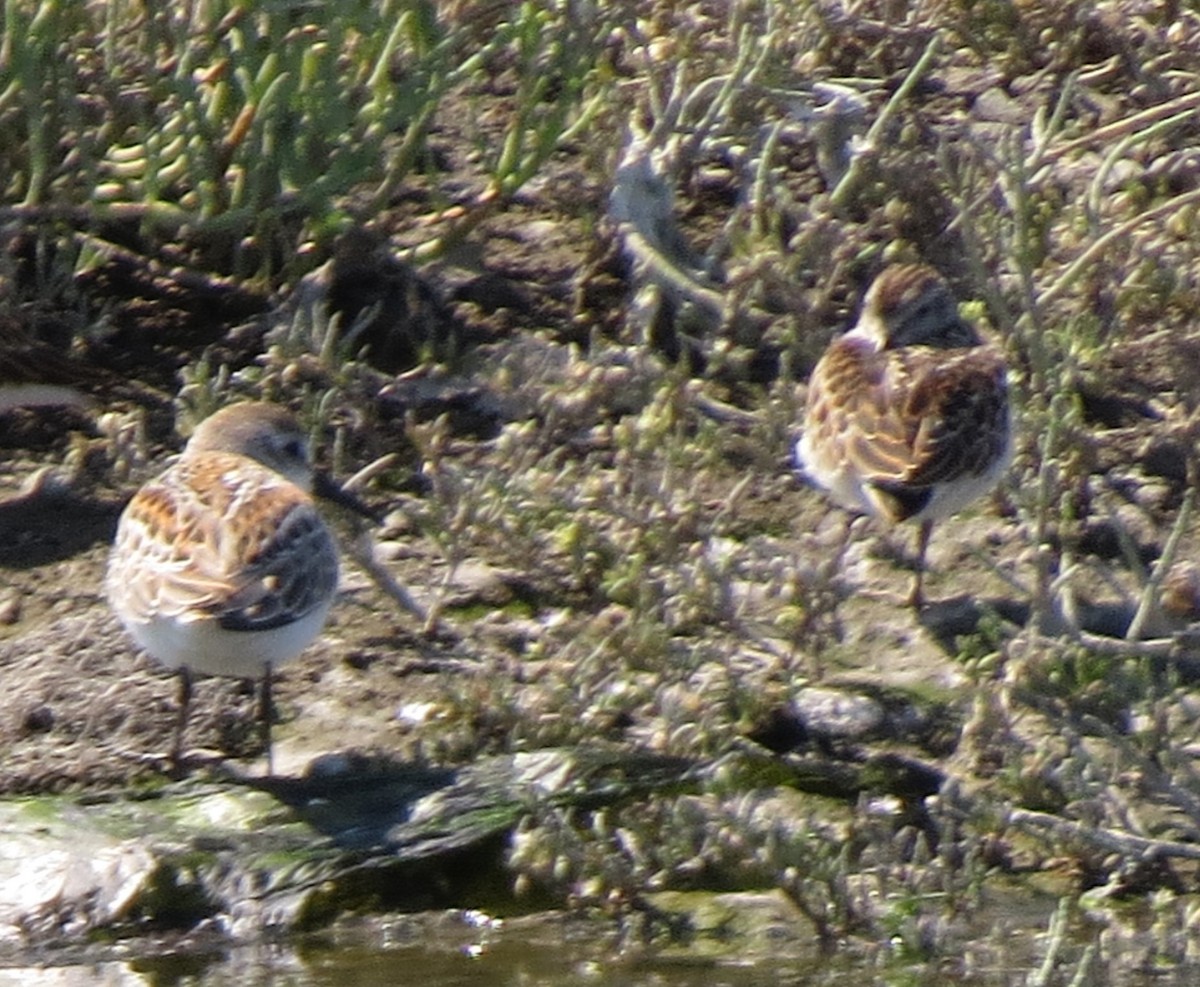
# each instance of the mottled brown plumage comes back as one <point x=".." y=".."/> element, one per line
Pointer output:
<point x="223" y="565"/>
<point x="908" y="413"/>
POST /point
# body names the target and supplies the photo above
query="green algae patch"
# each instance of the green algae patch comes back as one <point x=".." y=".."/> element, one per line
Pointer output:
<point x="281" y="855"/>
<point x="722" y="925"/>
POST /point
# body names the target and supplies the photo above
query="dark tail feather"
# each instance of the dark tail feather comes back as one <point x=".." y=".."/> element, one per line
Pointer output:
<point x="901" y="501"/>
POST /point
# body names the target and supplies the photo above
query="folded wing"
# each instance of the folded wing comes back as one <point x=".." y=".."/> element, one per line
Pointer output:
<point x="908" y="420"/>
<point x="252" y="555"/>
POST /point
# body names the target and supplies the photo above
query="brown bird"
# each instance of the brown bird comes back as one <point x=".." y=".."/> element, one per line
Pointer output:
<point x="222" y="565"/>
<point x="908" y="413"/>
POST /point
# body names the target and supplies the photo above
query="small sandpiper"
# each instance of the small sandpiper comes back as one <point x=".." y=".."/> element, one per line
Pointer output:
<point x="222" y="565"/>
<point x="908" y="413"/>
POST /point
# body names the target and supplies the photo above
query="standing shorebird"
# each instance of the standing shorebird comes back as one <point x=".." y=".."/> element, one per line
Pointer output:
<point x="222" y="565"/>
<point x="908" y="412"/>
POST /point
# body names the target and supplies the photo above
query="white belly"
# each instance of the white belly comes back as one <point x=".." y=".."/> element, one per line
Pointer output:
<point x="837" y="477"/>
<point x="206" y="647"/>
<point x="846" y="488"/>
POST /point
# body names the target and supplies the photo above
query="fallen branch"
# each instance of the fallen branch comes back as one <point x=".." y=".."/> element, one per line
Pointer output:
<point x="1112" y="841"/>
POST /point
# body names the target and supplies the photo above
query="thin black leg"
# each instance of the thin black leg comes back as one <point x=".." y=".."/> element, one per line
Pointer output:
<point x="916" y="598"/>
<point x="266" y="713"/>
<point x="185" y="704"/>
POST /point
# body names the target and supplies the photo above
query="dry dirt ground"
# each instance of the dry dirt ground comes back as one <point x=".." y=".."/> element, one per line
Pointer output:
<point x="82" y="708"/>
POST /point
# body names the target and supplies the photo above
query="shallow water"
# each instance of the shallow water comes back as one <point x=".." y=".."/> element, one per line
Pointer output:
<point x="1006" y="948"/>
<point x="448" y="949"/>
<point x="511" y="965"/>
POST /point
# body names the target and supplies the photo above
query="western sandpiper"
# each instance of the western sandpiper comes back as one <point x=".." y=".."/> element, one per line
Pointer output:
<point x="223" y="565"/>
<point x="908" y="412"/>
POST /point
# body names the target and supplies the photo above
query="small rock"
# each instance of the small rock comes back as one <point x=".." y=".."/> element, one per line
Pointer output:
<point x="415" y="714"/>
<point x="996" y="105"/>
<point x="833" y="713"/>
<point x="1165" y="457"/>
<point x="1181" y="592"/>
<point x="38" y="719"/>
<point x="392" y="550"/>
<point x="478" y="582"/>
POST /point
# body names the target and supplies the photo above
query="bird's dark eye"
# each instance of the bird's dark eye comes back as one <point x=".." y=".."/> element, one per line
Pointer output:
<point x="294" y="449"/>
